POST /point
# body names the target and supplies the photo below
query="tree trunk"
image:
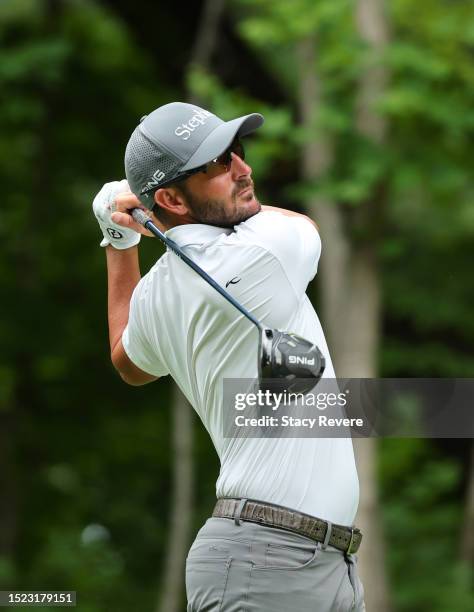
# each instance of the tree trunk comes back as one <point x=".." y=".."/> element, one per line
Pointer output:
<point x="316" y="160"/>
<point x="206" y="36"/>
<point x="181" y="504"/>
<point x="350" y="285"/>
<point x="362" y="332"/>
<point x="372" y="26"/>
<point x="359" y="339"/>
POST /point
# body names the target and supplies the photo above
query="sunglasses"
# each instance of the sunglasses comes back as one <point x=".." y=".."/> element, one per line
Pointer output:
<point x="222" y="164"/>
<point x="214" y="168"/>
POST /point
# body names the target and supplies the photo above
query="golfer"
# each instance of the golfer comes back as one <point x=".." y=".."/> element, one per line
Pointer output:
<point x="281" y="536"/>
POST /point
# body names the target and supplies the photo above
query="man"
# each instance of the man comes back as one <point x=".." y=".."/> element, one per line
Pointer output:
<point x="281" y="536"/>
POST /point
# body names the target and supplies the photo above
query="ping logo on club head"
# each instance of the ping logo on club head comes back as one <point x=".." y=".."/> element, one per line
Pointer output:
<point x="294" y="359"/>
<point x="113" y="233"/>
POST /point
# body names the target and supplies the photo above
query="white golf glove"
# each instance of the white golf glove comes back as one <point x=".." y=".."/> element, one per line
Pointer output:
<point x="104" y="205"/>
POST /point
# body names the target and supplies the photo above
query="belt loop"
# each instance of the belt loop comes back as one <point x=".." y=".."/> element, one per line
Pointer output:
<point x="348" y="551"/>
<point x="238" y="511"/>
<point x="327" y="536"/>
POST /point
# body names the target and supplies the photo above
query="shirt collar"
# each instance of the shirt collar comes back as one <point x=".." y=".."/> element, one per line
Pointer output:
<point x="196" y="233"/>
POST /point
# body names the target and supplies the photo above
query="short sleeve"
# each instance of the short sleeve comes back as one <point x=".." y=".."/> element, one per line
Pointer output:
<point x="294" y="241"/>
<point x="137" y="339"/>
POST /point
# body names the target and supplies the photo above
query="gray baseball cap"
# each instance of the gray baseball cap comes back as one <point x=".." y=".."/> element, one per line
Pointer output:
<point x="175" y="139"/>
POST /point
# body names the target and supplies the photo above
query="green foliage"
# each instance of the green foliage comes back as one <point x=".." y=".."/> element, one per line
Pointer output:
<point x="83" y="449"/>
<point x="423" y="169"/>
<point x="88" y="460"/>
<point x="272" y="144"/>
<point x="422" y="517"/>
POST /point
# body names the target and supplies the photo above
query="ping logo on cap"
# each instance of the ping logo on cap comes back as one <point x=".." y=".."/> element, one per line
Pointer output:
<point x="156" y="178"/>
<point x="199" y="118"/>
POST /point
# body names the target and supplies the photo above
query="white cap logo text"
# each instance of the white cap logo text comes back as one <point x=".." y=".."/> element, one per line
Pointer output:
<point x="199" y="118"/>
<point x="156" y="179"/>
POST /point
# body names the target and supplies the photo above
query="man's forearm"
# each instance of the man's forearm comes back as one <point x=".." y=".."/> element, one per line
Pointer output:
<point x="123" y="273"/>
<point x="288" y="213"/>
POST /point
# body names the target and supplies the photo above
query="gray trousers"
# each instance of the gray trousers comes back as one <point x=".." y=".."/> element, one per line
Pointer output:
<point x="249" y="567"/>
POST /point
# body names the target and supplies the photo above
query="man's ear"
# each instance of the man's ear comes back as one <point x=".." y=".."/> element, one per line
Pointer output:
<point x="171" y="200"/>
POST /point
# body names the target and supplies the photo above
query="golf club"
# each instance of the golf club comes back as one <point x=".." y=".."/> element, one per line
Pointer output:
<point x="291" y="362"/>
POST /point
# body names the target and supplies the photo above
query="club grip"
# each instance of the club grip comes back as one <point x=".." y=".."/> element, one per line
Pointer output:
<point x="140" y="216"/>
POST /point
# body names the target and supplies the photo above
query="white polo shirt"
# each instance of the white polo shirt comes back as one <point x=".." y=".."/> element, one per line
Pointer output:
<point x="179" y="325"/>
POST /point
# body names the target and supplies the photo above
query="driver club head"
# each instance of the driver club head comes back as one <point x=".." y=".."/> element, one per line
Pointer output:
<point x="288" y="362"/>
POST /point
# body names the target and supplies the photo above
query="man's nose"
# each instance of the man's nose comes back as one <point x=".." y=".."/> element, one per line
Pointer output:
<point x="239" y="168"/>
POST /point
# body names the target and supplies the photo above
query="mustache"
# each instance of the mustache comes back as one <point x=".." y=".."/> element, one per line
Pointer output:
<point x="241" y="185"/>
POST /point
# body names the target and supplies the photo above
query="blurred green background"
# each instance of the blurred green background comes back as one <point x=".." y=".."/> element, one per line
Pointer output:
<point x="87" y="463"/>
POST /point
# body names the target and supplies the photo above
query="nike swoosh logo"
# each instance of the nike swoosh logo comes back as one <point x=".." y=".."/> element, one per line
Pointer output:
<point x="233" y="281"/>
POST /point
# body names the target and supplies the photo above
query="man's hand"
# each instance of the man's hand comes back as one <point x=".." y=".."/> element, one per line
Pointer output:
<point x="125" y="202"/>
<point x="119" y="229"/>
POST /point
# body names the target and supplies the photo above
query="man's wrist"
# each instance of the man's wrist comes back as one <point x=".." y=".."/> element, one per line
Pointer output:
<point x="109" y="245"/>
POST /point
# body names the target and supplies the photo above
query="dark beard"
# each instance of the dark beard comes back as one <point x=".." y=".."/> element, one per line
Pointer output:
<point x="212" y="212"/>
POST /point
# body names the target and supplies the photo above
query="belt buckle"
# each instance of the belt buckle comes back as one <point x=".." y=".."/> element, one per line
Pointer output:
<point x="351" y="541"/>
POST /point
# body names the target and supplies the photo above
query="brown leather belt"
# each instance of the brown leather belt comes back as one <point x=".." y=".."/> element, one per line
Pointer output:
<point x="347" y="539"/>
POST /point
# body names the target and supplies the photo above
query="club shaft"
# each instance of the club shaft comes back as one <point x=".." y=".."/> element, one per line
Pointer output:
<point x="140" y="217"/>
